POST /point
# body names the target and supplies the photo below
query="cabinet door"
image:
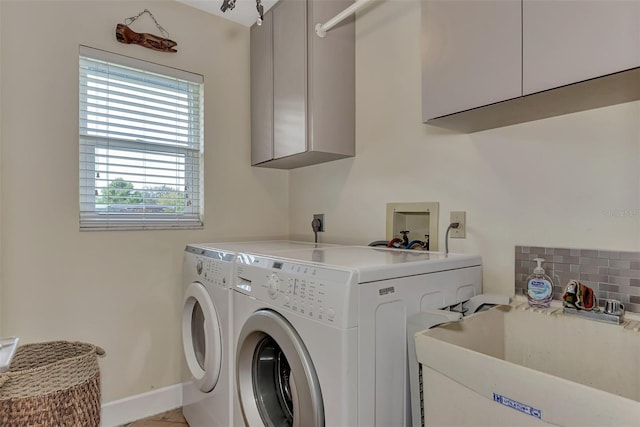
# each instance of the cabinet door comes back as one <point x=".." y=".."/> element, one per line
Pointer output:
<point x="567" y="41"/>
<point x="331" y="106"/>
<point x="262" y="91"/>
<point x="289" y="77"/>
<point x="471" y="54"/>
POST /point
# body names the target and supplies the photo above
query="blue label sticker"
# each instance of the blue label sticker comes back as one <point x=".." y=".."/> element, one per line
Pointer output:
<point x="529" y="410"/>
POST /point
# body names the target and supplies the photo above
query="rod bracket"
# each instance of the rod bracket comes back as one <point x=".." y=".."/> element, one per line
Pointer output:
<point x="320" y="31"/>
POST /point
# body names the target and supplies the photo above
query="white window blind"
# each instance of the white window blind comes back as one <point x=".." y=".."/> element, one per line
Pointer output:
<point x="141" y="144"/>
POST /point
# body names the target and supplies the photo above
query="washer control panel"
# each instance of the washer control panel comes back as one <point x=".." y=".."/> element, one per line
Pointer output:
<point x="324" y="294"/>
<point x="208" y="266"/>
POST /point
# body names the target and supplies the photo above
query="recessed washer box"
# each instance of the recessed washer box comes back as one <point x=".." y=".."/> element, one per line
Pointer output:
<point x="420" y="218"/>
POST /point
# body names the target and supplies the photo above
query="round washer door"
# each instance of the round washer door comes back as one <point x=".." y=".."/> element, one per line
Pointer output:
<point x="201" y="337"/>
<point x="277" y="382"/>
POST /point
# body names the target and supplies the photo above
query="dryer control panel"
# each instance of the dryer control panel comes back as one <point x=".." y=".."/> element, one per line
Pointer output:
<point x="208" y="266"/>
<point x="324" y="294"/>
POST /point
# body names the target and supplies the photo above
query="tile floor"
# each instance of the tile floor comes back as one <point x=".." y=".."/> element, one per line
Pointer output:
<point x="166" y="419"/>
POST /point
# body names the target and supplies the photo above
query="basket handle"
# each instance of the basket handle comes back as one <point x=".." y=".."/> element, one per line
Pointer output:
<point x="100" y="352"/>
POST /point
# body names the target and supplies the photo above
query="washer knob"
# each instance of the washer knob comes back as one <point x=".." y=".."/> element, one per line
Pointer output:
<point x="272" y="286"/>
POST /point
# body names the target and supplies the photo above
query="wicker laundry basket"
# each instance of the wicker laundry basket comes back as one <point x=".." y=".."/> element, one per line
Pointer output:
<point x="52" y="384"/>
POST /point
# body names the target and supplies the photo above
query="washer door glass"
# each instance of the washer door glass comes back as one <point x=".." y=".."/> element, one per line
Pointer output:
<point x="201" y="337"/>
<point x="277" y="382"/>
<point x="272" y="383"/>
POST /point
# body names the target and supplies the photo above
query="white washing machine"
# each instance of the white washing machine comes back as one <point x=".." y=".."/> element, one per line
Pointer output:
<point x="321" y="334"/>
<point x="209" y="354"/>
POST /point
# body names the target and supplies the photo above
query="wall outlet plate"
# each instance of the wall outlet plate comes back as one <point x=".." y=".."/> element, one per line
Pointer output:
<point x="461" y="218"/>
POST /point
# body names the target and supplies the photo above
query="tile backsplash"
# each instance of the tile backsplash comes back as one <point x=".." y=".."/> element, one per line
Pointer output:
<point x="611" y="274"/>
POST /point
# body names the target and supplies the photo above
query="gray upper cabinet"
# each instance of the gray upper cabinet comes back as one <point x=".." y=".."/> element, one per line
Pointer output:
<point x="289" y="79"/>
<point x="568" y="41"/>
<point x="488" y="64"/>
<point x="471" y="54"/>
<point x="262" y="91"/>
<point x="302" y="86"/>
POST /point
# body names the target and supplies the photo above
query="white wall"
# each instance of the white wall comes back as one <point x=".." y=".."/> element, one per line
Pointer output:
<point x="571" y="181"/>
<point x="1" y="132"/>
<point x="1" y="171"/>
<point x="120" y="290"/>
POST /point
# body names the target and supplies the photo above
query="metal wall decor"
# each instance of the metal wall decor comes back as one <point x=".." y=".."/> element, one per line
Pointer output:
<point x="126" y="35"/>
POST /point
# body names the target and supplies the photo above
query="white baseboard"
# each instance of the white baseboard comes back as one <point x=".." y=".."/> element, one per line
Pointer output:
<point x="140" y="406"/>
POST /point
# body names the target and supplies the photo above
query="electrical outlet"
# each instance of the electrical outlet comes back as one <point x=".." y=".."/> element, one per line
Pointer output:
<point x="321" y="218"/>
<point x="461" y="218"/>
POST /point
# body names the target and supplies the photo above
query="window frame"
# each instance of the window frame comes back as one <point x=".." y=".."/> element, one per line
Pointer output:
<point x="144" y="218"/>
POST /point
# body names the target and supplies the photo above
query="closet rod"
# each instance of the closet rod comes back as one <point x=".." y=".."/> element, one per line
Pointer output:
<point x="321" y="29"/>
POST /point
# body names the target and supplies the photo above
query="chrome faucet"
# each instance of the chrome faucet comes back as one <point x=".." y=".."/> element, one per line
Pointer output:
<point x="580" y="300"/>
<point x="613" y="312"/>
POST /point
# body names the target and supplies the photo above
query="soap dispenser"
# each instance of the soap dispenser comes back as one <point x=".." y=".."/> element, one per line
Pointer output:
<point x="539" y="287"/>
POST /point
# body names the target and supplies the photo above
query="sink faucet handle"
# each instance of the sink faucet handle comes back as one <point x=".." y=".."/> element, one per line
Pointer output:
<point x="614" y="307"/>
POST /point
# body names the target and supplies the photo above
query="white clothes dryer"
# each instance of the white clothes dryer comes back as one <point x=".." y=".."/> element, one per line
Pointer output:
<point x="320" y="334"/>
<point x="207" y="370"/>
